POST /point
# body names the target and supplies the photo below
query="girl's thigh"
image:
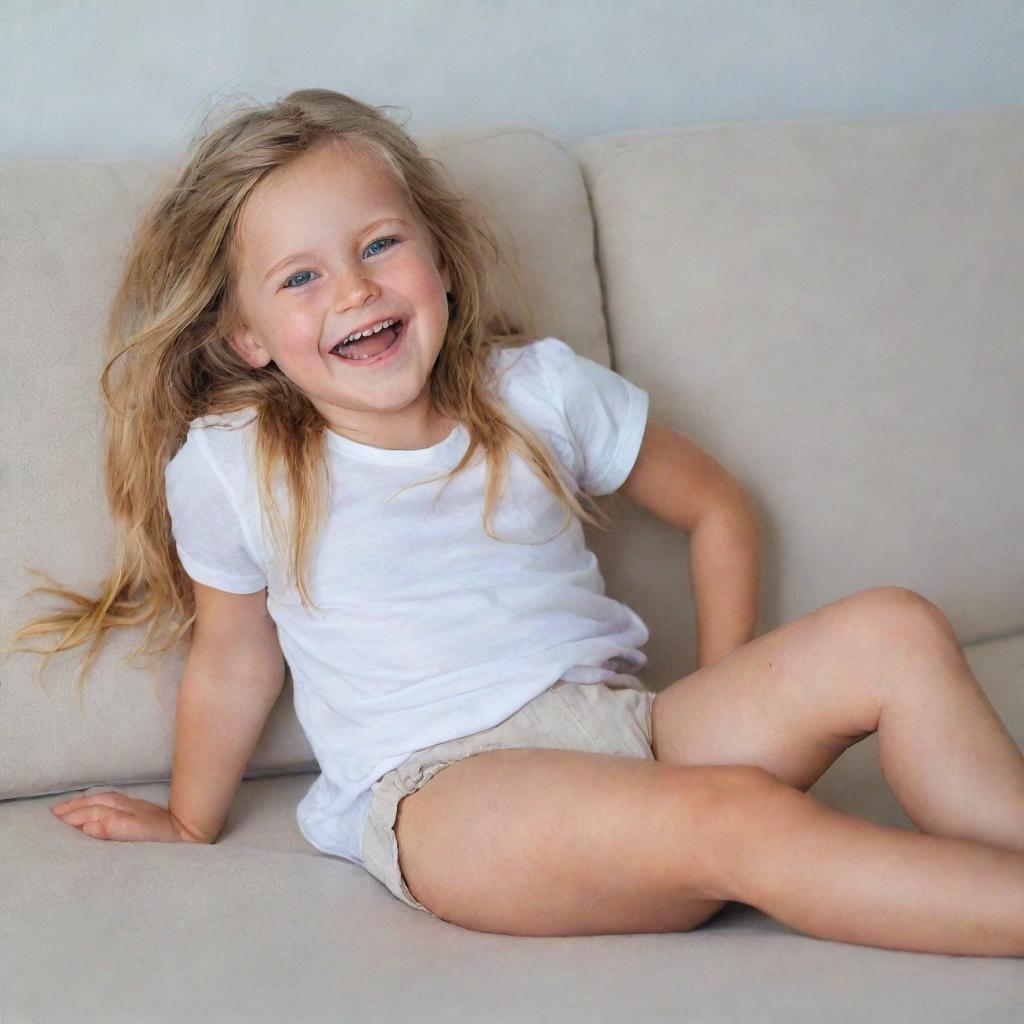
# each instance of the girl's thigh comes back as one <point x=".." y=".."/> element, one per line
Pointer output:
<point x="531" y="841"/>
<point x="792" y="700"/>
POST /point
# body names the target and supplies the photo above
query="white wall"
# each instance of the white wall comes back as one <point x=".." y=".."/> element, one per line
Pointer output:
<point x="133" y="78"/>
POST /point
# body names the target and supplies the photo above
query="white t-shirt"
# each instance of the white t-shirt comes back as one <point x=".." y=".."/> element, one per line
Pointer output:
<point x="427" y="628"/>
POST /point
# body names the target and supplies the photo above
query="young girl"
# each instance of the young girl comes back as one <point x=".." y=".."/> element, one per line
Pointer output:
<point x="307" y="320"/>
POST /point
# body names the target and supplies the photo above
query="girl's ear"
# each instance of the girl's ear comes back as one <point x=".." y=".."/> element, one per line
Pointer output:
<point x="442" y="267"/>
<point x="242" y="340"/>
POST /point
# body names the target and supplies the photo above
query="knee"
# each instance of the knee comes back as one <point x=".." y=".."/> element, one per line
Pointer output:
<point x="754" y="808"/>
<point x="896" y="614"/>
<point x="743" y="792"/>
<point x="737" y="802"/>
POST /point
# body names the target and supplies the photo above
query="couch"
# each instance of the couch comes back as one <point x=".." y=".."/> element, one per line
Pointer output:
<point x="832" y="308"/>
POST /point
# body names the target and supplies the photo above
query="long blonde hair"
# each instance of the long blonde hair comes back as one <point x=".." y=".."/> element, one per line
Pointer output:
<point x="174" y="308"/>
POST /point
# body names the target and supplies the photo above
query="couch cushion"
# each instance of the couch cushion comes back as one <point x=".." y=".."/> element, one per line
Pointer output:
<point x="832" y="309"/>
<point x="260" y="927"/>
<point x="64" y="225"/>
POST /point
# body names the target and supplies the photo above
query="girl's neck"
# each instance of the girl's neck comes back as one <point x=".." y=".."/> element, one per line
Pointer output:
<point x="439" y="428"/>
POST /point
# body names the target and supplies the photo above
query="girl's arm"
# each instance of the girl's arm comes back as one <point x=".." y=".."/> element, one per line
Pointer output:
<point x="725" y="578"/>
<point x="232" y="679"/>
<point x="683" y="485"/>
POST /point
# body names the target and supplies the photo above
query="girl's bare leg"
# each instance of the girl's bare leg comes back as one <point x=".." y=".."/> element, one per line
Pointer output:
<point x="947" y="756"/>
<point x="839" y="877"/>
<point x="884" y="660"/>
<point x="561" y="842"/>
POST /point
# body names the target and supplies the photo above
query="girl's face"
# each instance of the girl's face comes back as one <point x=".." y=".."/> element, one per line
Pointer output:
<point x="329" y="245"/>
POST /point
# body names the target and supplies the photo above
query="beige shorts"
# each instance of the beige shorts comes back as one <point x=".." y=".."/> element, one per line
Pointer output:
<point x="612" y="717"/>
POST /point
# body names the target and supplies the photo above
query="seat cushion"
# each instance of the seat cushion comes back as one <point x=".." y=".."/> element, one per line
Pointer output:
<point x="262" y="928"/>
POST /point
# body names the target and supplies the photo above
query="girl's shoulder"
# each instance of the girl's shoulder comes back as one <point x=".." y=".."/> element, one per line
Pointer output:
<point x="215" y="442"/>
<point x="597" y="413"/>
<point x="225" y="432"/>
<point x="237" y="419"/>
<point x="550" y="372"/>
<point x="533" y="348"/>
<point x="530" y="364"/>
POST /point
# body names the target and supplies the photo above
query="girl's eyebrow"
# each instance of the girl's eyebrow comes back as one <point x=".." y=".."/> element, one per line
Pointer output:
<point x="310" y="255"/>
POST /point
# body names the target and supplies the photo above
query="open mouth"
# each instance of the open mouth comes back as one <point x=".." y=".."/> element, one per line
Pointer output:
<point x="373" y="349"/>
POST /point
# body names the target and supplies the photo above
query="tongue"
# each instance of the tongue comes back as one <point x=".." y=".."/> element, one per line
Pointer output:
<point x="370" y="346"/>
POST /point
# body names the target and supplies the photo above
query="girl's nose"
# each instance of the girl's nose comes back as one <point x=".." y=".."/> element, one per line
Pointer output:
<point x="353" y="290"/>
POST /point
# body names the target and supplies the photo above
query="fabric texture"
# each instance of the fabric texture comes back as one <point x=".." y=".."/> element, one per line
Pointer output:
<point x="612" y="717"/>
<point x="425" y="628"/>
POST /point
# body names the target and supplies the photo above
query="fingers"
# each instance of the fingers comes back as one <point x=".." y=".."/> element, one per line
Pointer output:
<point x="113" y="815"/>
<point x="87" y="818"/>
<point x="93" y="813"/>
<point x="103" y="826"/>
<point x="108" y="799"/>
<point x="98" y="829"/>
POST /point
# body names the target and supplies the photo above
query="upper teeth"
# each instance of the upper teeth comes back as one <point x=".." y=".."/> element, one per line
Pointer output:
<point x="368" y="331"/>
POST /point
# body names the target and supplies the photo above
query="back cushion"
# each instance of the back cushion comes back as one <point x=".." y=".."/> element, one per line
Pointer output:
<point x="833" y="310"/>
<point x="65" y="225"/>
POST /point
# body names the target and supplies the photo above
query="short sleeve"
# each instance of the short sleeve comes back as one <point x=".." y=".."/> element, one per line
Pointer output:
<point x="604" y="415"/>
<point x="206" y="523"/>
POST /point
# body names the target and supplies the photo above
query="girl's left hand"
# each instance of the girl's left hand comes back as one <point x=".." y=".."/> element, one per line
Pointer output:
<point x="113" y="815"/>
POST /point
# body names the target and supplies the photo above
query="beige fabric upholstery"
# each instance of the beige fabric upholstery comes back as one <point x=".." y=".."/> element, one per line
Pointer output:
<point x="832" y="309"/>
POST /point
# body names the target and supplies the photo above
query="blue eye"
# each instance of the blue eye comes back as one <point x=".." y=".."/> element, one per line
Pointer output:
<point x="387" y="238"/>
<point x="299" y="274"/>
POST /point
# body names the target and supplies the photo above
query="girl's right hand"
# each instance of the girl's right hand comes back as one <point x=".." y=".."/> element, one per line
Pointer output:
<point x="113" y="815"/>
